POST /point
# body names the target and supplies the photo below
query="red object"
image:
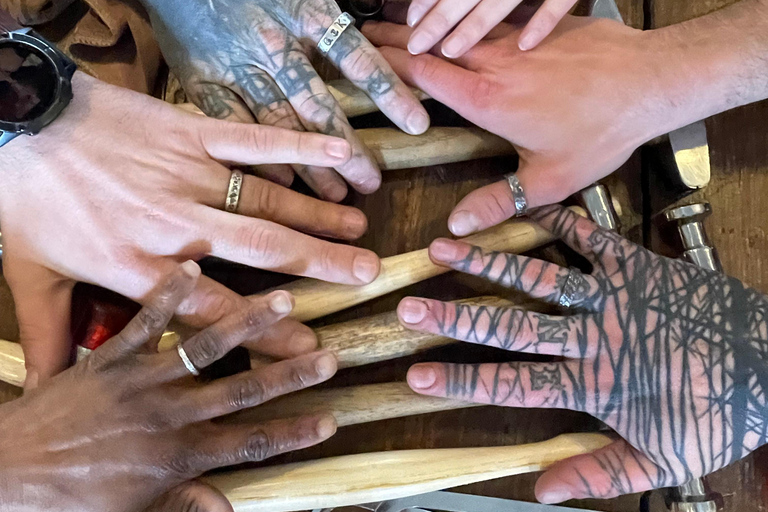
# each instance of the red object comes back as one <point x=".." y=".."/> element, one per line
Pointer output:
<point x="98" y="315"/>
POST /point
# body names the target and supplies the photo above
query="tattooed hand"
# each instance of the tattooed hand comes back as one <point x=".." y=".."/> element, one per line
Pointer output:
<point x="670" y="356"/>
<point x="246" y="60"/>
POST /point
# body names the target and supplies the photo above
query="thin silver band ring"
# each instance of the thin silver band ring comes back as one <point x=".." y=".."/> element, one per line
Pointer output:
<point x="233" y="192"/>
<point x="188" y="364"/>
<point x="334" y="32"/>
<point x="518" y="195"/>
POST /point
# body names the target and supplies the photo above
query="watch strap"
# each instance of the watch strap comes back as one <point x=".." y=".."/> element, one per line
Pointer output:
<point x="8" y="23"/>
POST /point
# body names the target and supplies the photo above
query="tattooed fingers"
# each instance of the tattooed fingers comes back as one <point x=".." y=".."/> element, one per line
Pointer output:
<point x="537" y="278"/>
<point x="617" y="469"/>
<point x="508" y="384"/>
<point x="506" y="328"/>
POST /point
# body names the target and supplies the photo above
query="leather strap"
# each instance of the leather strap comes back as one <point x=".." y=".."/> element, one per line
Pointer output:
<point x="8" y="23"/>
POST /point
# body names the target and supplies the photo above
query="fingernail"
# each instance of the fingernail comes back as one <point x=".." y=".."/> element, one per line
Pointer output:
<point x="528" y="40"/>
<point x="281" y="303"/>
<point x="417" y="122"/>
<point x="191" y="268"/>
<point x="31" y="381"/>
<point x="370" y="185"/>
<point x="326" y="427"/>
<point x="365" y="268"/>
<point x="325" y="365"/>
<point x="453" y="46"/>
<point x="356" y="224"/>
<point x="464" y="223"/>
<point x="412" y="311"/>
<point x="338" y="149"/>
<point x="419" y="43"/>
<point x="555" y="496"/>
<point x="443" y="250"/>
<point x="415" y="13"/>
<point x="421" y="377"/>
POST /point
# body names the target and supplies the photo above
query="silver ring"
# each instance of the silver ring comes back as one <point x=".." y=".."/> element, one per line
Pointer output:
<point x="334" y="32"/>
<point x="574" y="289"/>
<point x="518" y="195"/>
<point x="233" y="192"/>
<point x="187" y="362"/>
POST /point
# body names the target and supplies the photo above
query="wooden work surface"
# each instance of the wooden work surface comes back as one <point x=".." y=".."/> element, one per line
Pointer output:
<point x="411" y="210"/>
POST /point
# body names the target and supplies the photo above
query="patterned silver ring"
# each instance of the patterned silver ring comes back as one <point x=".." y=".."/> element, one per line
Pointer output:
<point x="574" y="288"/>
<point x="334" y="32"/>
<point x="188" y="364"/>
<point x="233" y="192"/>
<point x="518" y="195"/>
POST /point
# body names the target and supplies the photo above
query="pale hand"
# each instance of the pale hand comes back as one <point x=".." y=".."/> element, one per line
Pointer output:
<point x="433" y="20"/>
<point x="122" y="187"/>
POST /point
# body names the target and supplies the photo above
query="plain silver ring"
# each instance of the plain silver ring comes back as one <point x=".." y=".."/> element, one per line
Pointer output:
<point x="233" y="192"/>
<point x="334" y="32"/>
<point x="188" y="364"/>
<point x="518" y="195"/>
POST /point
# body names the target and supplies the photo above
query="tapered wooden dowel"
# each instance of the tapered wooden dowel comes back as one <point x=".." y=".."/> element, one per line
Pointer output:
<point x="12" y="368"/>
<point x="315" y="299"/>
<point x="351" y="405"/>
<point x="368" y="477"/>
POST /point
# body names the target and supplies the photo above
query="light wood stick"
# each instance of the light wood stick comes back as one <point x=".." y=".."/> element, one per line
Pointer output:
<point x="369" y="477"/>
<point x="382" y="337"/>
<point x="315" y="299"/>
<point x="12" y="368"/>
<point x="351" y="405"/>
<point x="394" y="149"/>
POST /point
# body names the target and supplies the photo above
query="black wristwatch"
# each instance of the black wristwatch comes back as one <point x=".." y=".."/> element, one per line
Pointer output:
<point x="35" y="80"/>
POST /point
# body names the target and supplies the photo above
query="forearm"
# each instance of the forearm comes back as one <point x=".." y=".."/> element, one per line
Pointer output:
<point x="716" y="62"/>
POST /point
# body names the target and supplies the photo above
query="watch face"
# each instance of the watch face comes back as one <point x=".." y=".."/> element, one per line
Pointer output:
<point x="28" y="82"/>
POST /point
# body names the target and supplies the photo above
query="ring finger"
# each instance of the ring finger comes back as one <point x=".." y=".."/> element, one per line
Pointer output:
<point x="269" y="201"/>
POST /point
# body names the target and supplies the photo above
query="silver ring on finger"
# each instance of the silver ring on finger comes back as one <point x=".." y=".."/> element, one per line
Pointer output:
<point x="188" y="364"/>
<point x="574" y="288"/>
<point x="518" y="195"/>
<point x="233" y="192"/>
<point x="334" y="32"/>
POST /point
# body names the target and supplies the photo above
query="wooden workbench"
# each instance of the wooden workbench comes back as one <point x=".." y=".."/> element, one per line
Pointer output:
<point x="411" y="210"/>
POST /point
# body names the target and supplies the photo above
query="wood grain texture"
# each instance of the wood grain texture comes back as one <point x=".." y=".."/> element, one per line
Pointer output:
<point x="12" y="370"/>
<point x="351" y="405"/>
<point x="363" y="478"/>
<point x="315" y="299"/>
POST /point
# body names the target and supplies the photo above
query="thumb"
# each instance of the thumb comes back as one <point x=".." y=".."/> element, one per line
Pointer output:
<point x="611" y="471"/>
<point x="192" y="495"/>
<point x="43" y="300"/>
<point x="493" y="204"/>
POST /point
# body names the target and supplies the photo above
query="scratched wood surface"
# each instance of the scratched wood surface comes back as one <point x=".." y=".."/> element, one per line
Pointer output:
<point x="410" y="211"/>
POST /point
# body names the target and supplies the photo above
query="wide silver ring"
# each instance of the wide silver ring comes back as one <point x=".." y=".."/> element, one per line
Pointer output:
<point x="188" y="364"/>
<point x="518" y="195"/>
<point x="574" y="289"/>
<point x="334" y="32"/>
<point x="233" y="192"/>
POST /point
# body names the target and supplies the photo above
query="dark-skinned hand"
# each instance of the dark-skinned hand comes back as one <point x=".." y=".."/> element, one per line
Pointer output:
<point x="124" y="426"/>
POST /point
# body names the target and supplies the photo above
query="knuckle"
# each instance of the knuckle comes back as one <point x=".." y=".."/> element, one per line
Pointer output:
<point x="258" y="447"/>
<point x="484" y="93"/>
<point x="182" y="463"/>
<point x="151" y="318"/>
<point x="246" y="393"/>
<point x="258" y="242"/>
<point x="438" y="24"/>
<point x="254" y="319"/>
<point x="267" y="194"/>
<point x="300" y="377"/>
<point x="318" y="108"/>
<point x="423" y="66"/>
<point x="207" y="347"/>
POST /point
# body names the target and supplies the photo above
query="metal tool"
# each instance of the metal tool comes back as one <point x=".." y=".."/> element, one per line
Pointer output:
<point x="689" y="143"/>
<point x="597" y="201"/>
<point x="443" y="501"/>
<point x="690" y="225"/>
<point x="693" y="496"/>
